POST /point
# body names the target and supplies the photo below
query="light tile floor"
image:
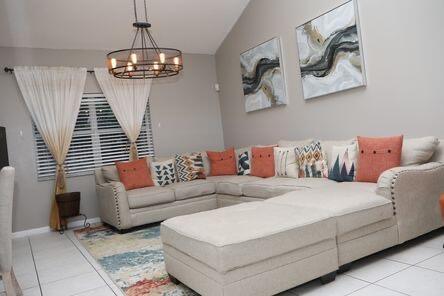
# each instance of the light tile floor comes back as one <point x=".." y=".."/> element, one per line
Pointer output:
<point x="57" y="265"/>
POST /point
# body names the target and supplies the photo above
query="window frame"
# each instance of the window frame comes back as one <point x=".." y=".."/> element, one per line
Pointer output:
<point x="95" y="141"/>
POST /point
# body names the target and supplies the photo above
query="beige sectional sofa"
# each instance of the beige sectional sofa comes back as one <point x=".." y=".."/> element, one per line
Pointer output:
<point x="277" y="232"/>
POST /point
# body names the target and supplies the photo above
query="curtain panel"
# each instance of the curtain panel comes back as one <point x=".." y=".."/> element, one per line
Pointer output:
<point x="128" y="99"/>
<point x="53" y="96"/>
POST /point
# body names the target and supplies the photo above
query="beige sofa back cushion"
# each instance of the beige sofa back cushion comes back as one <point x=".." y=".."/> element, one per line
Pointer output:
<point x="110" y="173"/>
<point x="439" y="153"/>
<point x="418" y="151"/>
<point x="301" y="143"/>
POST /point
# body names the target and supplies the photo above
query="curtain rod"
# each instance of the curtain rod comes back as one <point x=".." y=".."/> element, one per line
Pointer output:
<point x="11" y="70"/>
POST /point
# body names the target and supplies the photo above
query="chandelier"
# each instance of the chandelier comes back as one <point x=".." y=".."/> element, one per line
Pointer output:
<point x="145" y="59"/>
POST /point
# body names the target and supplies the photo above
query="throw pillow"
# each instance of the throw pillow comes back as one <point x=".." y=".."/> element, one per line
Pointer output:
<point x="134" y="174"/>
<point x="262" y="162"/>
<point x="312" y="161"/>
<point x="243" y="156"/>
<point x="285" y="163"/>
<point x="222" y="163"/>
<point x="163" y="172"/>
<point x="418" y="151"/>
<point x="377" y="155"/>
<point x="342" y="166"/>
<point x="189" y="167"/>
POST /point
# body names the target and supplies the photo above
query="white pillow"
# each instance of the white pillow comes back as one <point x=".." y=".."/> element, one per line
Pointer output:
<point x="418" y="151"/>
<point x="163" y="173"/>
<point x="285" y="163"/>
<point x="243" y="160"/>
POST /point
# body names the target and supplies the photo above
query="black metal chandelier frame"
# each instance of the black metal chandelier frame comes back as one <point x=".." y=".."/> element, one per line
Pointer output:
<point x="147" y="61"/>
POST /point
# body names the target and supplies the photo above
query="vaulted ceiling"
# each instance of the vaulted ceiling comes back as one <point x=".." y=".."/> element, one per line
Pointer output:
<point x="194" y="26"/>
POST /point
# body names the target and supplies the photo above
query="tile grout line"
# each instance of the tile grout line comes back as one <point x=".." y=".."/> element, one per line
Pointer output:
<point x="369" y="284"/>
<point x="35" y="266"/>
<point x="392" y="290"/>
<point x="91" y="265"/>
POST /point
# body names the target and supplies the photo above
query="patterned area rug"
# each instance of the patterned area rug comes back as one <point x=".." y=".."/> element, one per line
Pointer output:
<point x="134" y="261"/>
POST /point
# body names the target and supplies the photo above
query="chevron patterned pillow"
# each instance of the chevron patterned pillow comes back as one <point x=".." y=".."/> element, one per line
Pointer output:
<point x="163" y="172"/>
<point x="189" y="167"/>
<point x="312" y="161"/>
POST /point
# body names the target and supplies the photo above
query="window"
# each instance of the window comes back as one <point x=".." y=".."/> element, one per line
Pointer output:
<point x="98" y="140"/>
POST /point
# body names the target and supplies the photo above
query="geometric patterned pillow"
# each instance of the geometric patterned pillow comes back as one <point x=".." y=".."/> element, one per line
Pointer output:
<point x="163" y="172"/>
<point x="243" y="161"/>
<point x="343" y="163"/>
<point x="312" y="161"/>
<point x="189" y="167"/>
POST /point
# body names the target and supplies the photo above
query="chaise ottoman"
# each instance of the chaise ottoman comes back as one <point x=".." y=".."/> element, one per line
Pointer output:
<point x="254" y="248"/>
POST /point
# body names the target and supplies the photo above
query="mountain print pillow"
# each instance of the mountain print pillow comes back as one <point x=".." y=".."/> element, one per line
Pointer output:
<point x="343" y="163"/>
<point x="163" y="172"/>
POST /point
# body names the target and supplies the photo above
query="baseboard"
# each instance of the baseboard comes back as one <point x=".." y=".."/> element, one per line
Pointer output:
<point x="46" y="229"/>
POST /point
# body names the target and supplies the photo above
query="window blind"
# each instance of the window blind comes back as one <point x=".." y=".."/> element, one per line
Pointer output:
<point x="98" y="140"/>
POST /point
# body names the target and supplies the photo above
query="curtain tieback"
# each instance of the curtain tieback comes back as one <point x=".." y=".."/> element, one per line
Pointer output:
<point x="60" y="175"/>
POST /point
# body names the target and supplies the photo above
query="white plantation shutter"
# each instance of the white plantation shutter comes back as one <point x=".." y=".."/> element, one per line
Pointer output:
<point x="98" y="140"/>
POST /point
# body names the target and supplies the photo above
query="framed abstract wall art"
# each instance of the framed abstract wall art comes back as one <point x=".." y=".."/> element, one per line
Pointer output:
<point x="330" y="52"/>
<point x="262" y="76"/>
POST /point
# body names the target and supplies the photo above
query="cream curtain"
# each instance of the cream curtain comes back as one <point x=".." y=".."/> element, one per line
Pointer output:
<point x="128" y="99"/>
<point x="53" y="97"/>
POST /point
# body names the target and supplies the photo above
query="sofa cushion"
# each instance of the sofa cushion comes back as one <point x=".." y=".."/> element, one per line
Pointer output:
<point x="189" y="166"/>
<point x="222" y="163"/>
<point x="312" y="161"/>
<point x="110" y="173"/>
<point x="418" y="151"/>
<point x="327" y="147"/>
<point x="185" y="190"/>
<point x="231" y="185"/>
<point x="243" y="160"/>
<point x="135" y="174"/>
<point x="149" y="196"/>
<point x="236" y="236"/>
<point x="262" y="161"/>
<point x="275" y="186"/>
<point x="377" y="155"/>
<point x="294" y="144"/>
<point x="285" y="163"/>
<point x="354" y="204"/>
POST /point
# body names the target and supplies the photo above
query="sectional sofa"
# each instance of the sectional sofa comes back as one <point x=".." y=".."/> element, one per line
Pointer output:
<point x="254" y="236"/>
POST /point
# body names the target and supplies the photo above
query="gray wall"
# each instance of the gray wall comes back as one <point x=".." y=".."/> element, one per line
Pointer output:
<point x="185" y="117"/>
<point x="403" y="48"/>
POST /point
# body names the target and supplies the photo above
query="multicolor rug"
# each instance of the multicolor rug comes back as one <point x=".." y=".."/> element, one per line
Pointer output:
<point x="134" y="261"/>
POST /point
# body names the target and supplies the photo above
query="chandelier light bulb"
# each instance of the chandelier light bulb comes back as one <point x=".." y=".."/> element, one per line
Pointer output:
<point x="156" y="66"/>
<point x="134" y="58"/>
<point x="176" y="61"/>
<point x="113" y="63"/>
<point x="162" y="58"/>
<point x="129" y="67"/>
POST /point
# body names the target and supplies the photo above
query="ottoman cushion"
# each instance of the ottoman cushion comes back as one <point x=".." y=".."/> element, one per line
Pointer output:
<point x="236" y="236"/>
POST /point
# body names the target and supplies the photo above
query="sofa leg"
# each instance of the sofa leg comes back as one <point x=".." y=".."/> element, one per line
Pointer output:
<point x="174" y="280"/>
<point x="328" y="278"/>
<point x="344" y="268"/>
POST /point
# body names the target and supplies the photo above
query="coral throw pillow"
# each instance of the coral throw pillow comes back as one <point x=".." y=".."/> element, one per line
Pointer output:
<point x="135" y="174"/>
<point x="262" y="162"/>
<point x="222" y="163"/>
<point x="376" y="155"/>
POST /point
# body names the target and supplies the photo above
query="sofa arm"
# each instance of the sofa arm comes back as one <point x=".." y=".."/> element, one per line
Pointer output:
<point x="113" y="205"/>
<point x="415" y="193"/>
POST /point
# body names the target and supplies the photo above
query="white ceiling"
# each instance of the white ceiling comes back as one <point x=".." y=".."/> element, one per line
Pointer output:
<point x="194" y="26"/>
